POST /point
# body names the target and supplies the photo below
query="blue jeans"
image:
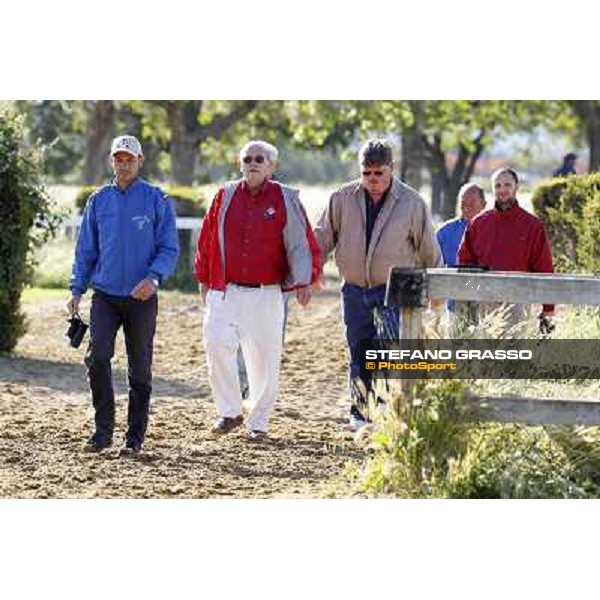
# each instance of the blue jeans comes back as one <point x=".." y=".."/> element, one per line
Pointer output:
<point x="366" y="318"/>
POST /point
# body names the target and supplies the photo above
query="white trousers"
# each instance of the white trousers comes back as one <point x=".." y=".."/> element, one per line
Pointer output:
<point x="251" y="318"/>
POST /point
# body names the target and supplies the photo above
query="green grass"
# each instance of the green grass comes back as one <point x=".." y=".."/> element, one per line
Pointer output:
<point x="64" y="196"/>
<point x="37" y="294"/>
<point x="54" y="263"/>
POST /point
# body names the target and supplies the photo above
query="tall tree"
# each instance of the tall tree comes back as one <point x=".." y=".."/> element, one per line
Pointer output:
<point x="131" y="120"/>
<point x="50" y="123"/>
<point x="99" y="131"/>
<point x="455" y="133"/>
<point x="191" y="124"/>
<point x="413" y="148"/>
<point x="448" y="135"/>
<point x="588" y="113"/>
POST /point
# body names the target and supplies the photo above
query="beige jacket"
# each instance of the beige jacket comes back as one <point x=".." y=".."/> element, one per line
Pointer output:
<point x="403" y="234"/>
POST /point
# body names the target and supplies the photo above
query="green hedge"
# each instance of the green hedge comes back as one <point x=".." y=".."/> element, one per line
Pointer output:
<point x="188" y="203"/>
<point x="26" y="222"/>
<point x="570" y="210"/>
<point x="82" y="196"/>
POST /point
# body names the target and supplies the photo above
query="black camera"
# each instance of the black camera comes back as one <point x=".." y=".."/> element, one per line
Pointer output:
<point x="76" y="331"/>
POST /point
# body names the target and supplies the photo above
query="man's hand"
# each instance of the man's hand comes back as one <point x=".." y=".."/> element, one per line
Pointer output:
<point x="73" y="305"/>
<point x="319" y="284"/>
<point x="143" y="290"/>
<point x="203" y="290"/>
<point x="436" y="304"/>
<point x="303" y="295"/>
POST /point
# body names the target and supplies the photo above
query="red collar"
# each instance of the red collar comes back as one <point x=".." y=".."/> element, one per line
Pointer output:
<point x="261" y="189"/>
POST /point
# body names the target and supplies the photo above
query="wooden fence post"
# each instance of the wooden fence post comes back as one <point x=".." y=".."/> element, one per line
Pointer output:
<point x="407" y="289"/>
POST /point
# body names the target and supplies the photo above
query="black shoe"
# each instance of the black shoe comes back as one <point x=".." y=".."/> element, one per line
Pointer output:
<point x="97" y="444"/>
<point x="131" y="448"/>
<point x="226" y="424"/>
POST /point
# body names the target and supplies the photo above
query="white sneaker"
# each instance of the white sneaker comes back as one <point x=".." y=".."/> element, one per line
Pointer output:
<point x="357" y="421"/>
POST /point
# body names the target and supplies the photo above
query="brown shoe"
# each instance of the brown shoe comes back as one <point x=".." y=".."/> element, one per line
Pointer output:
<point x="257" y="436"/>
<point x="226" y="424"/>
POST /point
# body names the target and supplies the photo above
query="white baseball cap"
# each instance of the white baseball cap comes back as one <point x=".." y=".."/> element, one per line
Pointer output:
<point x="126" y="143"/>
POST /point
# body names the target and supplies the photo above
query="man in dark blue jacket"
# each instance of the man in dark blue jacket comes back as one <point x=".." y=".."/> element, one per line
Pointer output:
<point x="568" y="166"/>
<point x="127" y="247"/>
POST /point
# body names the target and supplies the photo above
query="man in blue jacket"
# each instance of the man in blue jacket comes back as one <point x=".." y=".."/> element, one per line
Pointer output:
<point x="127" y="247"/>
<point x="471" y="201"/>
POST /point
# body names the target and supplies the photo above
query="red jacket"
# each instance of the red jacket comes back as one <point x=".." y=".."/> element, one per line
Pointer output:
<point x="301" y="247"/>
<point x="512" y="240"/>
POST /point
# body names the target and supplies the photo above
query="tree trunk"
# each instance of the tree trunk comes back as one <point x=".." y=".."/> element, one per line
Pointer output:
<point x="187" y="134"/>
<point x="412" y="159"/>
<point x="588" y="112"/>
<point x="99" y="133"/>
<point x="446" y="183"/>
<point x="131" y="123"/>
<point x="436" y="162"/>
<point x="593" y="139"/>
<point x="437" y="189"/>
<point x="413" y="151"/>
<point x="183" y="122"/>
<point x="151" y="169"/>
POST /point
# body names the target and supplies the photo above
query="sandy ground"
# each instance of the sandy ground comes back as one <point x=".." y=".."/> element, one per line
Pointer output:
<point x="46" y="415"/>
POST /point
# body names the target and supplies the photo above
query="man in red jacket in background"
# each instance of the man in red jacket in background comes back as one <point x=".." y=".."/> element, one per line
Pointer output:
<point x="253" y="246"/>
<point x="508" y="238"/>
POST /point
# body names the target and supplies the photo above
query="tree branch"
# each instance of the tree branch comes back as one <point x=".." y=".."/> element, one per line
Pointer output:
<point x="479" y="146"/>
<point x="222" y="122"/>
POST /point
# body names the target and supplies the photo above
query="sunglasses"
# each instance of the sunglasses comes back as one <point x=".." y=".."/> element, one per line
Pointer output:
<point x="369" y="173"/>
<point x="257" y="159"/>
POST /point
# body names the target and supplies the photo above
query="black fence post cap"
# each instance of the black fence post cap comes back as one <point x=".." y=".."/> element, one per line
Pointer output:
<point x="406" y="288"/>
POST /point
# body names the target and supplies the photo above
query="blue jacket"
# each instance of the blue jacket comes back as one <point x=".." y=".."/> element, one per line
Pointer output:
<point x="449" y="236"/>
<point x="125" y="237"/>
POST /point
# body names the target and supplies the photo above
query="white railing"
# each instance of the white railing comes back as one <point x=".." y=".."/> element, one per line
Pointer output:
<point x="193" y="223"/>
<point x="499" y="286"/>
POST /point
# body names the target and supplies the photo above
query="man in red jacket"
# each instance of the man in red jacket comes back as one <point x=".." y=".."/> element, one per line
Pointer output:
<point x="508" y="238"/>
<point x="253" y="246"/>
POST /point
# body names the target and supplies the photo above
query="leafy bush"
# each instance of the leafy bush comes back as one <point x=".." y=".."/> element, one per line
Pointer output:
<point x="570" y="210"/>
<point x="82" y="196"/>
<point x="26" y="222"/>
<point x="415" y="451"/>
<point x="432" y="451"/>
<point x="588" y="232"/>
<point x="515" y="461"/>
<point x="188" y="203"/>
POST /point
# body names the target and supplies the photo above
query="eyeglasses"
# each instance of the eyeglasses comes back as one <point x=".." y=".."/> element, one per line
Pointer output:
<point x="257" y="159"/>
<point x="369" y="173"/>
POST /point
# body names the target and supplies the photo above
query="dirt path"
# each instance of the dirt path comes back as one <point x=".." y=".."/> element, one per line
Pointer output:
<point x="46" y="415"/>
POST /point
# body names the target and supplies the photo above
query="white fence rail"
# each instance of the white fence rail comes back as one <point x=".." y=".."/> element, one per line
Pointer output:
<point x="410" y="288"/>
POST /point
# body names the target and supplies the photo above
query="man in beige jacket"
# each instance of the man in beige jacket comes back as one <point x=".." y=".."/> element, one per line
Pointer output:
<point x="372" y="224"/>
